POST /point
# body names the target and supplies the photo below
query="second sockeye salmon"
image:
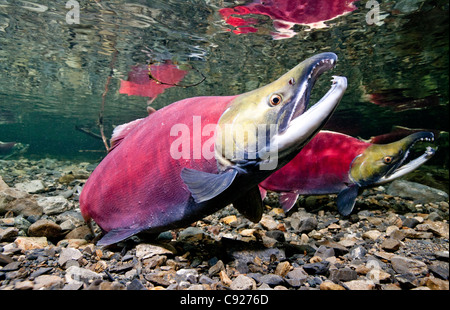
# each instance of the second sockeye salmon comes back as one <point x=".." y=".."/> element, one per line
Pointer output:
<point x="336" y="163"/>
<point x="152" y="180"/>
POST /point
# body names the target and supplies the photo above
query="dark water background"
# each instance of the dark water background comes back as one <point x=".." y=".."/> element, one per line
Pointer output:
<point x="53" y="74"/>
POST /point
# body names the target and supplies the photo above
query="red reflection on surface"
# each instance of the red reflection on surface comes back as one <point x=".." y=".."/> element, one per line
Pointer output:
<point x="285" y="14"/>
<point x="140" y="83"/>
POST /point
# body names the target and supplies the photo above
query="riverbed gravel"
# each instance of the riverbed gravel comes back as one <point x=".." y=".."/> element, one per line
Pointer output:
<point x="396" y="239"/>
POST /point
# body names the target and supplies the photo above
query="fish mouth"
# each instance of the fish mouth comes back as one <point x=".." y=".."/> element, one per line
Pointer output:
<point x="406" y="164"/>
<point x="314" y="68"/>
<point x="303" y="125"/>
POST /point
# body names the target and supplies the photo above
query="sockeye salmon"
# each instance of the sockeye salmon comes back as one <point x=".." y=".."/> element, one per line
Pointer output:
<point x="336" y="163"/>
<point x="196" y="156"/>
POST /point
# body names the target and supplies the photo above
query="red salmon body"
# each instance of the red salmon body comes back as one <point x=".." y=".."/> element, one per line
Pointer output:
<point x="321" y="167"/>
<point x="138" y="184"/>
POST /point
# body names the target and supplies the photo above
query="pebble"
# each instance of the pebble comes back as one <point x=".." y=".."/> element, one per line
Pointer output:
<point x="44" y="228"/>
<point x="144" y="250"/>
<point x="331" y="286"/>
<point x="69" y="254"/>
<point x="54" y="205"/>
<point x="242" y="282"/>
<point x="372" y="235"/>
<point x="416" y="191"/>
<point x="31" y="187"/>
<point x="30" y="243"/>
<point x="388" y="243"/>
<point x="404" y="265"/>
<point x="391" y="245"/>
<point x="360" y="285"/>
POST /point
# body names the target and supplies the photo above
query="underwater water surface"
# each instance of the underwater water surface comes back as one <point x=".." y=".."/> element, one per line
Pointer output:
<point x="64" y="63"/>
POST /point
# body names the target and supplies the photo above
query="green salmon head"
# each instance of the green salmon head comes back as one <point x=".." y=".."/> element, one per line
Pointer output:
<point x="270" y="123"/>
<point x="381" y="163"/>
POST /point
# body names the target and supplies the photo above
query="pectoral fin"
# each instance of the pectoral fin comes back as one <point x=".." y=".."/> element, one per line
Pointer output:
<point x="119" y="234"/>
<point x="250" y="205"/>
<point x="205" y="186"/>
<point x="346" y="199"/>
<point x="288" y="200"/>
<point x="263" y="192"/>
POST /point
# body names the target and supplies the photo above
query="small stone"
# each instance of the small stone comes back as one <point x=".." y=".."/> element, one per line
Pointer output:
<point x="283" y="268"/>
<point x="31" y="243"/>
<point x="272" y="279"/>
<point x="417" y="192"/>
<point x="315" y="259"/>
<point x="79" y="274"/>
<point x="442" y="255"/>
<point x="404" y="265"/>
<point x="296" y="277"/>
<point x="248" y="232"/>
<point x="39" y="271"/>
<point x="334" y="226"/>
<point x="304" y="239"/>
<point x="344" y="274"/>
<point x="224" y="278"/>
<point x="440" y="270"/>
<point x="276" y="234"/>
<point x="5" y="259"/>
<point x="371" y="234"/>
<point x="72" y="243"/>
<point x="191" y="234"/>
<point x="135" y="285"/>
<point x="47" y="281"/>
<point x="330" y="286"/>
<point x="407" y="281"/>
<point x="31" y="187"/>
<point x="307" y="225"/>
<point x="268" y="222"/>
<point x="82" y="232"/>
<point x="410" y="222"/>
<point x="377" y="275"/>
<point x="144" y="250"/>
<point x="397" y="235"/>
<point x="229" y="220"/>
<point x="242" y="282"/>
<point x="157" y="279"/>
<point x="24" y="285"/>
<point x="68" y="254"/>
<point x="358" y="252"/>
<point x="44" y="228"/>
<point x="189" y="275"/>
<point x="348" y="242"/>
<point x="316" y="268"/>
<point x="11" y="267"/>
<point x="391" y="245"/>
<point x="8" y="234"/>
<point x="324" y="252"/>
<point x="219" y="266"/>
<point x="358" y="285"/>
<point x="54" y="205"/>
<point x="437" y="284"/>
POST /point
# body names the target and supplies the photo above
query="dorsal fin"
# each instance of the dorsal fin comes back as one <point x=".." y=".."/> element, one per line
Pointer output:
<point x="122" y="131"/>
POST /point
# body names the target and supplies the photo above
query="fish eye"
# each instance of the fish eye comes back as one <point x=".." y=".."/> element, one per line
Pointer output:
<point x="275" y="99"/>
<point x="387" y="159"/>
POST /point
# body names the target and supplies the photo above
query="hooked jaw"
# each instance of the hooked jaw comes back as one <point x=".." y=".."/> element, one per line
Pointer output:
<point x="311" y="71"/>
<point x="303" y="128"/>
<point x="400" y="170"/>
